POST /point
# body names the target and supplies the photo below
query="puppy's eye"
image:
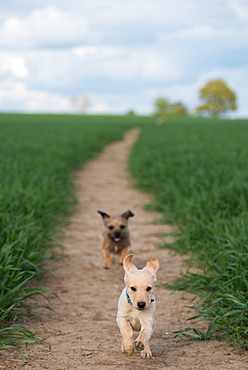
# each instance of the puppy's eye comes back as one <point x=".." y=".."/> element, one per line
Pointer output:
<point x="148" y="289"/>
<point x="111" y="227"/>
<point x="133" y="288"/>
<point x="122" y="227"/>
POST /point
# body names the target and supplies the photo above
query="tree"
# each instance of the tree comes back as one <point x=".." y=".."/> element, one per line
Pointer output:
<point x="178" y="109"/>
<point x="163" y="106"/>
<point x="165" y="109"/>
<point x="217" y="98"/>
<point x="131" y="113"/>
<point x="162" y="109"/>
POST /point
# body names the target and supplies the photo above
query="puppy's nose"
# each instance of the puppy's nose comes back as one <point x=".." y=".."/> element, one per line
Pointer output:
<point x="141" y="305"/>
<point x="117" y="234"/>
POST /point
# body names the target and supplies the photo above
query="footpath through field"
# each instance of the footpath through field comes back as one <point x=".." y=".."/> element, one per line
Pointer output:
<point x="82" y="333"/>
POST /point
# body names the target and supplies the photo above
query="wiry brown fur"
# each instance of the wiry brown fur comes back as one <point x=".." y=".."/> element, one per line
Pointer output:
<point x="116" y="237"/>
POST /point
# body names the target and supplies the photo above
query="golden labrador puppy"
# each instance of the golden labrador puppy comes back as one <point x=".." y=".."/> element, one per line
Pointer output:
<point x="137" y="306"/>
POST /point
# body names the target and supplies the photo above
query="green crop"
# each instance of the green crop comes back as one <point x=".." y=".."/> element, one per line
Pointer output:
<point x="197" y="171"/>
<point x="38" y="155"/>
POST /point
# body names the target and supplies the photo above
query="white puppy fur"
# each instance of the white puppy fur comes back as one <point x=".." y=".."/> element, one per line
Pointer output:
<point x="137" y="306"/>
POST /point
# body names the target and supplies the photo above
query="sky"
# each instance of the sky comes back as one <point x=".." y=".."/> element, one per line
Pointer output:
<point x="117" y="56"/>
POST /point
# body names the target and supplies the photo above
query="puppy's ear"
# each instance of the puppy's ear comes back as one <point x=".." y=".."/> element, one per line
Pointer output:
<point x="103" y="214"/>
<point x="128" y="265"/>
<point x="127" y="214"/>
<point x="152" y="266"/>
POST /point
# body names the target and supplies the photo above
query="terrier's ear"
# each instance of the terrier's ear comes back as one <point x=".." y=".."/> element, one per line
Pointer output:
<point x="103" y="214"/>
<point x="127" y="214"/>
<point x="128" y="265"/>
<point x="152" y="266"/>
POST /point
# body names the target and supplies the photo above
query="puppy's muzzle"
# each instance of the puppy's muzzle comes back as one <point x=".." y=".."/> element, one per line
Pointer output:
<point x="141" y="305"/>
<point x="117" y="236"/>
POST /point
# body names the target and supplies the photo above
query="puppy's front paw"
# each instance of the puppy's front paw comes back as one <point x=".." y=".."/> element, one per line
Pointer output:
<point x="146" y="354"/>
<point x="138" y="345"/>
<point x="128" y="349"/>
<point x="106" y="264"/>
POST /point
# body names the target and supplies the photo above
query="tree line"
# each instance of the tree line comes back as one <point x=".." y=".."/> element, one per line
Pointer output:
<point x="216" y="98"/>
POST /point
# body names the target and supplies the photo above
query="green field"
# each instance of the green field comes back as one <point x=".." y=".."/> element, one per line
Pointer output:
<point x="38" y="155"/>
<point x="197" y="171"/>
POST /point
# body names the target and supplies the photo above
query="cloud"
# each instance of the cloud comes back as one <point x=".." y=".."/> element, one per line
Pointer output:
<point x="240" y="7"/>
<point x="202" y="32"/>
<point x="16" y="97"/>
<point x="100" y="108"/>
<point x="45" y="27"/>
<point x="82" y="51"/>
<point x="139" y="65"/>
<point x="12" y="64"/>
<point x="89" y="68"/>
<point x="110" y="103"/>
<point x="136" y="22"/>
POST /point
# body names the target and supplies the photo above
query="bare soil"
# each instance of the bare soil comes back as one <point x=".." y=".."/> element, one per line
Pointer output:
<point x="82" y="333"/>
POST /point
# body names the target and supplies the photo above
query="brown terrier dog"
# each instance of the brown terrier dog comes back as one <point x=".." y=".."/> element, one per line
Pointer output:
<point x="116" y="238"/>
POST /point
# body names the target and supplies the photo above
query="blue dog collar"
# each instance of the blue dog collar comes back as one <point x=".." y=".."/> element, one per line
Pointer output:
<point x="128" y="298"/>
<point x="130" y="301"/>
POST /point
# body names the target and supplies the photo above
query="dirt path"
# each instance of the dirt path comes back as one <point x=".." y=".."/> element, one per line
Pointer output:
<point x="83" y="334"/>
